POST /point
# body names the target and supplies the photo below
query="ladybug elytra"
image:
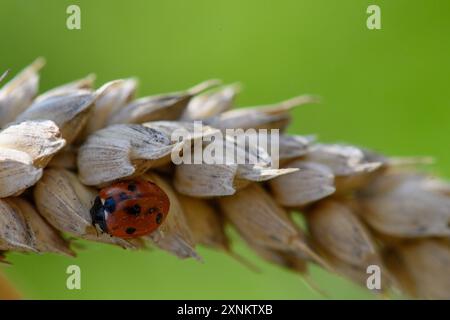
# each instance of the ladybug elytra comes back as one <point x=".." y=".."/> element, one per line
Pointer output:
<point x="130" y="208"/>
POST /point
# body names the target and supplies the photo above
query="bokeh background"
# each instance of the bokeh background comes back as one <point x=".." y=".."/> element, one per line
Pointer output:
<point x="385" y="89"/>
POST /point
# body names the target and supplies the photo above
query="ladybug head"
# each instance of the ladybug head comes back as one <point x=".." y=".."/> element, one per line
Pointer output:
<point x="98" y="214"/>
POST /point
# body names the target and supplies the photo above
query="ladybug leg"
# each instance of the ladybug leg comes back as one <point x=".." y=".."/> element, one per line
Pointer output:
<point x="95" y="228"/>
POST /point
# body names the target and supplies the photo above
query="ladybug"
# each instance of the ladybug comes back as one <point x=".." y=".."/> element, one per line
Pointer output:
<point x="130" y="208"/>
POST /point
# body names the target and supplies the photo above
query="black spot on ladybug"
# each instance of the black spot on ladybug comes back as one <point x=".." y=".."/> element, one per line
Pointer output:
<point x="159" y="218"/>
<point x="110" y="205"/>
<point x="132" y="187"/>
<point x="130" y="230"/>
<point x="123" y="196"/>
<point x="151" y="210"/>
<point x="134" y="210"/>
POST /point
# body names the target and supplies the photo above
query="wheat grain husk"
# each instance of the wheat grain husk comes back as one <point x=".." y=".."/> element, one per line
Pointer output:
<point x="25" y="149"/>
<point x="68" y="111"/>
<point x="168" y="106"/>
<point x="422" y="266"/>
<point x="17" y="95"/>
<point x="122" y="151"/>
<point x="337" y="229"/>
<point x="406" y="205"/>
<point x="258" y="217"/>
<point x="211" y="102"/>
<point x="112" y="96"/>
<point x="312" y="182"/>
<point x="85" y="83"/>
<point x="65" y="203"/>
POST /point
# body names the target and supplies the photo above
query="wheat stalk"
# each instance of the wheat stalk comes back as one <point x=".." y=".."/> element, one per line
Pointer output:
<point x="361" y="208"/>
<point x="7" y="291"/>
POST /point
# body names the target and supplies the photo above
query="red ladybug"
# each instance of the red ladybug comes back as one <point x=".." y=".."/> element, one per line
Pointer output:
<point x="130" y="209"/>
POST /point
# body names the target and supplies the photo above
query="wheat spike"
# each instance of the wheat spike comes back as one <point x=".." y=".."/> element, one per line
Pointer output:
<point x="361" y="208"/>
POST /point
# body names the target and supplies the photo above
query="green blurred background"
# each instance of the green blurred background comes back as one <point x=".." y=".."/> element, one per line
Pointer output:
<point x="384" y="89"/>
